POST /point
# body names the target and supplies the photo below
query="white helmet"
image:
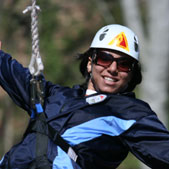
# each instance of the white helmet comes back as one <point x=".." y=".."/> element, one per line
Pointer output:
<point x="119" y="38"/>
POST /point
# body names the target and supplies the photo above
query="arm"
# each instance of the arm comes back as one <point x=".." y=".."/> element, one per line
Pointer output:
<point x="15" y="79"/>
<point x="148" y="140"/>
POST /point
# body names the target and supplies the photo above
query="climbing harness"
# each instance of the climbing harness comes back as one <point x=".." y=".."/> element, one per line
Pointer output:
<point x="38" y="118"/>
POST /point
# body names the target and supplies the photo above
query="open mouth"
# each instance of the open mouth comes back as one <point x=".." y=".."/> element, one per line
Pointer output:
<point x="110" y="79"/>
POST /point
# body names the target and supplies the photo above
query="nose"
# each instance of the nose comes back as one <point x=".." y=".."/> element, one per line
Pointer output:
<point x="113" y="68"/>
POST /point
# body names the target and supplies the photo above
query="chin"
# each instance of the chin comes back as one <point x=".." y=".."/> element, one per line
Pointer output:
<point x="107" y="90"/>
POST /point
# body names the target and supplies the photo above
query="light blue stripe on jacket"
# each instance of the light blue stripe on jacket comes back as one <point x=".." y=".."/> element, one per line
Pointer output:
<point x="62" y="160"/>
<point x="109" y="125"/>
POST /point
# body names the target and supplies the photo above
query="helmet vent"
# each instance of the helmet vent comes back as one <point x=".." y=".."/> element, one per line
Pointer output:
<point x="135" y="44"/>
<point x="102" y="36"/>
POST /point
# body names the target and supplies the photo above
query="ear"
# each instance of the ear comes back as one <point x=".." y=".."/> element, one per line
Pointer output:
<point x="89" y="65"/>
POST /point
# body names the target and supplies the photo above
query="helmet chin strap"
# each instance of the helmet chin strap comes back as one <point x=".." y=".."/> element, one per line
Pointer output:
<point x="91" y="76"/>
<point x="92" y="62"/>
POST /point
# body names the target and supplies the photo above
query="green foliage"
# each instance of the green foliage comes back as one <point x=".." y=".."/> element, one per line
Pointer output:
<point x="129" y="163"/>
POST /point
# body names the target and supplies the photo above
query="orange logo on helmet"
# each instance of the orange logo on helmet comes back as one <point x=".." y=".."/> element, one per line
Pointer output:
<point x="121" y="41"/>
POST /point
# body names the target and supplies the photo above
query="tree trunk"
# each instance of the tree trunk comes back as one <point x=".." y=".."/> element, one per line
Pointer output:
<point x="154" y="86"/>
<point x="132" y="19"/>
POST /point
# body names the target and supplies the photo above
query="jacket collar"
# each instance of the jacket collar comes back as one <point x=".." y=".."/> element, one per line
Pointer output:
<point x="81" y="92"/>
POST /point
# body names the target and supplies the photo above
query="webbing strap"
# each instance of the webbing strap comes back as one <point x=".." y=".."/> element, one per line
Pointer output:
<point x="45" y="131"/>
<point x="42" y="144"/>
<point x="40" y="127"/>
<point x="58" y="140"/>
<point x="40" y="163"/>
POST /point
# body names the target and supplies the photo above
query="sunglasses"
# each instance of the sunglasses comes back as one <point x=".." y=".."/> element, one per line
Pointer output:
<point x="124" y="64"/>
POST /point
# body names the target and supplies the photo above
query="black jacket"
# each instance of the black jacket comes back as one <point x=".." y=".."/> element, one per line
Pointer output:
<point x="101" y="128"/>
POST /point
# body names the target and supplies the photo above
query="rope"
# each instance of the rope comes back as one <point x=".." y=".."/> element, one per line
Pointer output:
<point x="36" y="65"/>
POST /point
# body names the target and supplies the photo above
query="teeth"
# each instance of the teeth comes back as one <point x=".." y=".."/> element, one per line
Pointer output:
<point x="110" y="79"/>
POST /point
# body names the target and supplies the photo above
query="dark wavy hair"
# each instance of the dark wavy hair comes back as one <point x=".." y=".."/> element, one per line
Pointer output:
<point x="136" y="71"/>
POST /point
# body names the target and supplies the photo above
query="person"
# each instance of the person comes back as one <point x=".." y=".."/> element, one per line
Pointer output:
<point x="97" y="123"/>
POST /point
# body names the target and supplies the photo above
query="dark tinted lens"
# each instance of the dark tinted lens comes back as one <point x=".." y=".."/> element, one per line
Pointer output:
<point x="104" y="59"/>
<point x="125" y="65"/>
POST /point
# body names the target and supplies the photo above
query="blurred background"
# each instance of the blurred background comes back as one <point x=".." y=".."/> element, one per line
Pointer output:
<point x="66" y="28"/>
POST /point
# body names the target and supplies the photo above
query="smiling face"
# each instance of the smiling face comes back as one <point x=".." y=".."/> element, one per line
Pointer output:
<point x="108" y="79"/>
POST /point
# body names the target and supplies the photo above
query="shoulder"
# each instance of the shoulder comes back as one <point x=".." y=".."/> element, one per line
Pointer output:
<point x="4" y="55"/>
<point x="128" y="107"/>
<point x="68" y="92"/>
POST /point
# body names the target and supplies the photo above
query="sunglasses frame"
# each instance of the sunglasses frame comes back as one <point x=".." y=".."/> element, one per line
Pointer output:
<point x="117" y="60"/>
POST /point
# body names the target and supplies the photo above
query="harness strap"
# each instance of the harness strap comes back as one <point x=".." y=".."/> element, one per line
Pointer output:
<point x="58" y="140"/>
<point x="40" y="163"/>
<point x="45" y="131"/>
<point x="41" y="144"/>
<point x="39" y="126"/>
